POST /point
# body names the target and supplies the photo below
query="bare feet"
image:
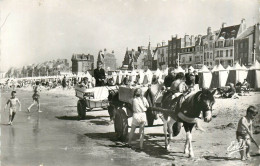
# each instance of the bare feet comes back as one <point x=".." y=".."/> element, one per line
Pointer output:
<point x="248" y="156"/>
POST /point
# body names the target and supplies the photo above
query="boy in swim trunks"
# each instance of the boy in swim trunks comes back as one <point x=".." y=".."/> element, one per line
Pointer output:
<point x="244" y="132"/>
<point x="12" y="109"/>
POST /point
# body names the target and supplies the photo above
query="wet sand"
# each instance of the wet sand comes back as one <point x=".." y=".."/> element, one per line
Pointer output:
<point x="57" y="137"/>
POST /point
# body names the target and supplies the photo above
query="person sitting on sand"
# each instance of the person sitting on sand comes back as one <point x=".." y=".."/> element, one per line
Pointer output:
<point x="244" y="132"/>
<point x="231" y="92"/>
<point x="12" y="109"/>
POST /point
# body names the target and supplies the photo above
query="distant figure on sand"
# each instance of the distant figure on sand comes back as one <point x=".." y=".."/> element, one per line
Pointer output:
<point x="64" y="82"/>
<point x="36" y="97"/>
<point x="12" y="109"/>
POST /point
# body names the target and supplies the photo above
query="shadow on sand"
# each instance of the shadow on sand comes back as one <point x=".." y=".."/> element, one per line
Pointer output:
<point x="88" y="117"/>
<point x="218" y="158"/>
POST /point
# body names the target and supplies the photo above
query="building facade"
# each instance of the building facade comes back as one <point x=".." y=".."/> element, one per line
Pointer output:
<point x="208" y="49"/>
<point x="162" y="55"/>
<point x="224" y="44"/>
<point x="246" y="46"/>
<point x="82" y="63"/>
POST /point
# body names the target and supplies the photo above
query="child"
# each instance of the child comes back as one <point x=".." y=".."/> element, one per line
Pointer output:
<point x="140" y="105"/>
<point x="244" y="132"/>
<point x="12" y="109"/>
<point x="36" y="97"/>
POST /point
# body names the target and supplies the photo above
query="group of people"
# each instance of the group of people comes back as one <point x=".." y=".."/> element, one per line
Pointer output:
<point x="234" y="91"/>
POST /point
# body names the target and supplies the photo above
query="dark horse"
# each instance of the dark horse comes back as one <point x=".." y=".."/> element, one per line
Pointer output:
<point x="186" y="110"/>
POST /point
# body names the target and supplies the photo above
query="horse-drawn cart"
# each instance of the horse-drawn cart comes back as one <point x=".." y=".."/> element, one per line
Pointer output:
<point x="91" y="98"/>
<point x="120" y="104"/>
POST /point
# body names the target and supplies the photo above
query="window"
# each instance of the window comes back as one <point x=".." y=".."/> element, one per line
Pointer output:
<point x="204" y="56"/>
<point x="221" y="53"/>
<point x="217" y="53"/>
<point x="166" y="50"/>
<point x="221" y="44"/>
<point x="231" y="53"/>
<point x="226" y="53"/>
<point x="210" y="55"/>
<point x="190" y="58"/>
<point x="207" y="55"/>
<point x="241" y="45"/>
<point x="216" y="44"/>
<point x="210" y="63"/>
<point x="207" y="63"/>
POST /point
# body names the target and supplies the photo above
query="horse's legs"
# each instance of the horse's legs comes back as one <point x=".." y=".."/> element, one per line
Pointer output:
<point x="186" y="146"/>
<point x="165" y="131"/>
<point x="169" y="125"/>
<point x="190" y="148"/>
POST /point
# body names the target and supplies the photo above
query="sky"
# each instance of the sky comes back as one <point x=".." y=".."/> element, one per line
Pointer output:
<point x="41" y="30"/>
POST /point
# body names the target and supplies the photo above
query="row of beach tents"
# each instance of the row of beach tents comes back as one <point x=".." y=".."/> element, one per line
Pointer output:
<point x="215" y="78"/>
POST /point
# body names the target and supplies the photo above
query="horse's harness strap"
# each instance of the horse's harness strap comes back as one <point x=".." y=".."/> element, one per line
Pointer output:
<point x="187" y="119"/>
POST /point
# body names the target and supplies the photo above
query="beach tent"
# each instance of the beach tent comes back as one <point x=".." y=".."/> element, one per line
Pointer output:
<point x="214" y="68"/>
<point x="179" y="69"/>
<point x="219" y="77"/>
<point x="114" y="77"/>
<point x="253" y="76"/>
<point x="148" y="75"/>
<point x="119" y="77"/>
<point x="237" y="74"/>
<point x="205" y="77"/>
<point x="191" y="68"/>
<point x="141" y="74"/>
<point x="229" y="68"/>
<point x="124" y="75"/>
<point x="133" y="76"/>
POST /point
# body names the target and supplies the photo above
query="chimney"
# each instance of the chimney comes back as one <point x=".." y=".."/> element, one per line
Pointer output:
<point x="224" y="24"/>
<point x="186" y="40"/>
<point x="209" y="31"/>
<point x="163" y="43"/>
<point x="158" y="45"/>
<point x="176" y="36"/>
<point x="113" y="51"/>
<point x="243" y="24"/>
<point x="192" y="39"/>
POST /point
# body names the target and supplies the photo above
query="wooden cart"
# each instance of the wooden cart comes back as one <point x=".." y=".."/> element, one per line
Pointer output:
<point x="91" y="98"/>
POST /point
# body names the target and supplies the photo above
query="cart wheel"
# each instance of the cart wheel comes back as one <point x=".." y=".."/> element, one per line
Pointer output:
<point x="150" y="117"/>
<point x="81" y="108"/>
<point x="121" y="125"/>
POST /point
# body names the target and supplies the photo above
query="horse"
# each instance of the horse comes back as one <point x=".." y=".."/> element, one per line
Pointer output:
<point x="185" y="111"/>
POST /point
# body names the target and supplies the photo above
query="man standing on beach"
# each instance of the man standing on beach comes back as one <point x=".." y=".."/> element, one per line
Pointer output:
<point x="99" y="74"/>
